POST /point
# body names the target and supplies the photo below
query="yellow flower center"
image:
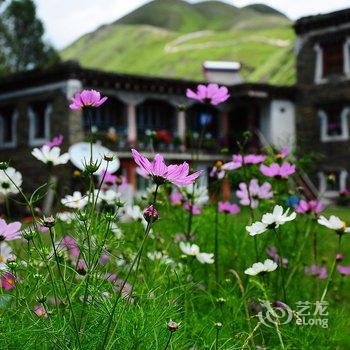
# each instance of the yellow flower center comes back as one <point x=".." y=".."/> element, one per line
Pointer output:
<point x="343" y="226"/>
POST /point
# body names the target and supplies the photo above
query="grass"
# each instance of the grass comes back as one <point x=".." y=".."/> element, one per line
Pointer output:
<point x="186" y="293"/>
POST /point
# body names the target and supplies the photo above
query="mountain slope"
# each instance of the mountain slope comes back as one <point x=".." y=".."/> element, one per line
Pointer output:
<point x="176" y="40"/>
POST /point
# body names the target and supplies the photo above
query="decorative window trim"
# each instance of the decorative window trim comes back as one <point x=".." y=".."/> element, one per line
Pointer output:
<point x="344" y="126"/>
<point x="13" y="143"/>
<point x="323" y="183"/>
<point x="31" y="115"/>
<point x="319" y="79"/>
<point x="347" y="57"/>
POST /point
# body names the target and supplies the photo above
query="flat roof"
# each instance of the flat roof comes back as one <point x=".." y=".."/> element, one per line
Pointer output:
<point x="309" y="23"/>
<point x="125" y="82"/>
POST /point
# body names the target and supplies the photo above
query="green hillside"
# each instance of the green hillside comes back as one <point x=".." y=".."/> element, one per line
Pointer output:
<point x="176" y="41"/>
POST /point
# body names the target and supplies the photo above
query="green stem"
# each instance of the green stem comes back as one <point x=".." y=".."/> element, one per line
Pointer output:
<point x="64" y="285"/>
<point x="169" y="340"/>
<point x="332" y="271"/>
<point x="280" y="261"/>
<point x="216" y="244"/>
<point x="147" y="230"/>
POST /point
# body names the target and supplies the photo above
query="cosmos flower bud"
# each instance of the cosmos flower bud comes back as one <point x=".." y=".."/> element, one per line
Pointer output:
<point x="221" y="301"/>
<point x="4" y="165"/>
<point x="49" y="221"/>
<point x="82" y="216"/>
<point x="108" y="157"/>
<point x="42" y="299"/>
<point x="173" y="326"/>
<point x="218" y="325"/>
<point x="29" y="235"/>
<point x="339" y="257"/>
<point x="151" y="214"/>
<point x="91" y="168"/>
<point x="181" y="107"/>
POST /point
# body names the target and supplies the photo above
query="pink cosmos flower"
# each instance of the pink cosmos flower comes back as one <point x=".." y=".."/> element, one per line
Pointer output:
<point x="161" y="173"/>
<point x="9" y="232"/>
<point x="256" y="192"/>
<point x="283" y="153"/>
<point x="339" y="257"/>
<point x="71" y="244"/>
<point x="212" y="94"/>
<point x="195" y="209"/>
<point x="104" y="259"/>
<point x="55" y="142"/>
<point x="278" y="171"/>
<point x="40" y="311"/>
<point x="87" y="98"/>
<point x="217" y="172"/>
<point x="306" y="207"/>
<point x="319" y="272"/>
<point x="108" y="178"/>
<point x="8" y="281"/>
<point x="343" y="270"/>
<point x="142" y="172"/>
<point x="238" y="160"/>
<point x="81" y="267"/>
<point x="272" y="253"/>
<point x="228" y="208"/>
<point x="176" y="198"/>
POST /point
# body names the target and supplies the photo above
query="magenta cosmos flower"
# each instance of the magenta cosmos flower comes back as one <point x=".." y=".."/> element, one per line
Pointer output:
<point x="255" y="193"/>
<point x="228" y="208"/>
<point x="278" y="171"/>
<point x="194" y="209"/>
<point x="344" y="270"/>
<point x="55" y="142"/>
<point x="161" y="173"/>
<point x="306" y="207"/>
<point x="87" y="98"/>
<point x="9" y="232"/>
<point x="40" y="311"/>
<point x="213" y="94"/>
<point x="317" y="271"/>
<point x="8" y="281"/>
<point x="238" y="160"/>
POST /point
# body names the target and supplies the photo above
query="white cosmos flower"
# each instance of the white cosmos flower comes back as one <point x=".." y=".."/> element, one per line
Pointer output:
<point x="133" y="212"/>
<point x="66" y="216"/>
<point x="110" y="196"/>
<point x="193" y="250"/>
<point x="334" y="223"/>
<point x="256" y="228"/>
<point x="116" y="230"/>
<point x="50" y="156"/>
<point x="205" y="258"/>
<point x="200" y="194"/>
<point x="5" y="254"/>
<point x="75" y="201"/>
<point x="8" y="187"/>
<point x="259" y="267"/>
<point x="277" y="217"/>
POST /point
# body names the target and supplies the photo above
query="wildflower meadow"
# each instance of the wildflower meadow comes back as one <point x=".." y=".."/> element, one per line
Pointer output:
<point x="181" y="266"/>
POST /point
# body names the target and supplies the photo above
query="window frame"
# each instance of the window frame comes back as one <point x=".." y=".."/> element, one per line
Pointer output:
<point x="13" y="143"/>
<point x="33" y="141"/>
<point x="325" y="137"/>
<point x="319" y="76"/>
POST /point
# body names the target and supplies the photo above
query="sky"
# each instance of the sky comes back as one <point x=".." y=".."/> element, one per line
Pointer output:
<point x="66" y="20"/>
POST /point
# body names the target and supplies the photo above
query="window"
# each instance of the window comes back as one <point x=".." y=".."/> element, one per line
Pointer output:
<point x="333" y="58"/>
<point x="110" y="115"/>
<point x="331" y="182"/>
<point x="39" y="114"/>
<point x="334" y="123"/>
<point x="8" y="127"/>
<point x="155" y="115"/>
